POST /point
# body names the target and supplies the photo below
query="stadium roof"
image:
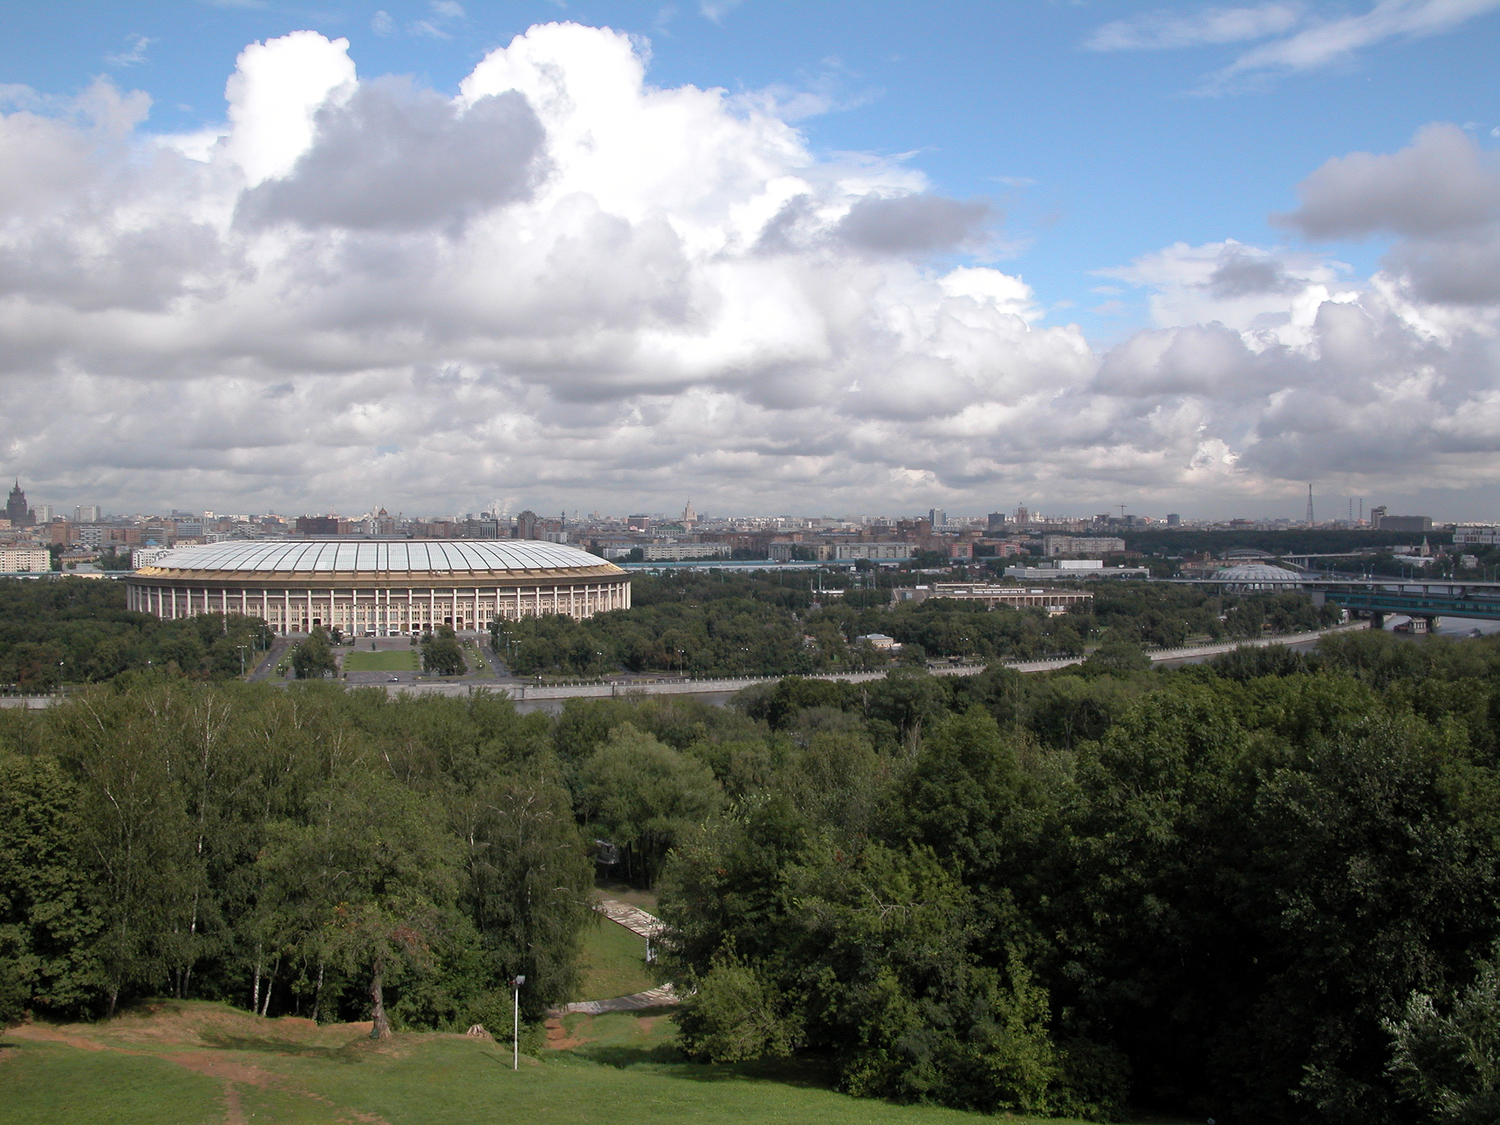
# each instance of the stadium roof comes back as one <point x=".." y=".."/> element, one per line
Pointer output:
<point x="328" y="557"/>
<point x="1257" y="572"/>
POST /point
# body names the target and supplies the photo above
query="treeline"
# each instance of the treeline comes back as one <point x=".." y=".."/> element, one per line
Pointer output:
<point x="1259" y="891"/>
<point x="77" y="630"/>
<point x="702" y="624"/>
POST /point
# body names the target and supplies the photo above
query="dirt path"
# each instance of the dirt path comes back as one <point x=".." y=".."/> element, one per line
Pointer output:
<point x="175" y="1034"/>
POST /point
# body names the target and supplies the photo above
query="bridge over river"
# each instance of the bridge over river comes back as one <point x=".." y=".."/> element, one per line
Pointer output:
<point x="1427" y="599"/>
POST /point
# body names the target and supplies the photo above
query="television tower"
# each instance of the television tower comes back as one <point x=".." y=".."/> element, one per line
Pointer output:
<point x="1309" y="506"/>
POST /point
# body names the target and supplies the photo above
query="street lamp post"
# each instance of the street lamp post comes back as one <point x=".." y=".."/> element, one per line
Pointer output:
<point x="516" y="1029"/>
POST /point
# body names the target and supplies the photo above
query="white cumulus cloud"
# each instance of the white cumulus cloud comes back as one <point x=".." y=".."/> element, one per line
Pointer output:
<point x="569" y="286"/>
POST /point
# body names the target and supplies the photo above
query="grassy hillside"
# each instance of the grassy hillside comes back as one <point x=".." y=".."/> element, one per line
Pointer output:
<point x="189" y="1062"/>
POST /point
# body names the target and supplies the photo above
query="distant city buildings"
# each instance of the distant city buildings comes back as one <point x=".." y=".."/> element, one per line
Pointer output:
<point x="1476" y="536"/>
<point x="1038" y="547"/>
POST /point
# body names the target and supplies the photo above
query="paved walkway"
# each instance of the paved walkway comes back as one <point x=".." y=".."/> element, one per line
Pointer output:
<point x="663" y="997"/>
<point x="633" y="918"/>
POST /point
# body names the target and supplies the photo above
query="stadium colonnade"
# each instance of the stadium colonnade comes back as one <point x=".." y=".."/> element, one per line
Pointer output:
<point x="379" y="587"/>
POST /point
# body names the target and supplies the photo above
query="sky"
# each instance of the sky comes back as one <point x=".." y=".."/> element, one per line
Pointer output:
<point x="772" y="258"/>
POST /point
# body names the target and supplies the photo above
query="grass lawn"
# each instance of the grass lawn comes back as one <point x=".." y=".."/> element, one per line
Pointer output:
<point x="613" y="963"/>
<point x="191" y="1062"/>
<point x="395" y="660"/>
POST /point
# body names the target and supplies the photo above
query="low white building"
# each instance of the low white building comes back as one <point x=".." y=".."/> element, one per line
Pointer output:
<point x="682" y="552"/>
<point x="1053" y="601"/>
<point x="1476" y="537"/>
<point x="1074" y="569"/>
<point x="25" y="560"/>
<point x="872" y="551"/>
<point x="1054" y="545"/>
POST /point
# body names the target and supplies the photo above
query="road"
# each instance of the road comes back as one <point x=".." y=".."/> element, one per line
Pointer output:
<point x="551" y="697"/>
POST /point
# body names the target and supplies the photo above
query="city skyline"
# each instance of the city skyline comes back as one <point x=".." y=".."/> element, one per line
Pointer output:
<point x="502" y="509"/>
<point x="766" y="257"/>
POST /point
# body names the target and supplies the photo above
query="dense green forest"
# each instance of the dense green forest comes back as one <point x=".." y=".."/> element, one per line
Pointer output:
<point x="730" y="624"/>
<point x="311" y="850"/>
<point x="77" y="630"/>
<point x="1261" y="890"/>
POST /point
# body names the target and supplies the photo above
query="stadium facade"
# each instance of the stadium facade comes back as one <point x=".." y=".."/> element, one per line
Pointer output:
<point x="378" y="587"/>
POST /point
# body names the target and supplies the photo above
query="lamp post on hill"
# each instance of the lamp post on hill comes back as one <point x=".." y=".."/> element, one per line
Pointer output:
<point x="516" y="1030"/>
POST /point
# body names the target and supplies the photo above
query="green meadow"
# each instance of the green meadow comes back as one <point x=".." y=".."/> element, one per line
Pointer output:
<point x="198" y="1063"/>
<point x="394" y="660"/>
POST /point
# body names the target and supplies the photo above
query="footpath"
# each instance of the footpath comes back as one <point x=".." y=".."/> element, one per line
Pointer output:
<point x="648" y="926"/>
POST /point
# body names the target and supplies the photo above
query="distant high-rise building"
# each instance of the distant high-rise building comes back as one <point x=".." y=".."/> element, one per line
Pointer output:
<point x="689" y="517"/>
<point x="526" y="525"/>
<point x="86" y="513"/>
<point x="306" y="525"/>
<point x="43" y="513"/>
<point x="996" y="521"/>
<point x="1023" y="517"/>
<point x="15" y="508"/>
<point x="1403" y="523"/>
<point x="1174" y="520"/>
<point x="937" y="517"/>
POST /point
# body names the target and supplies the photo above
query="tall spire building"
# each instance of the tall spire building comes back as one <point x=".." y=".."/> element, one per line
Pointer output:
<point x="15" y="508"/>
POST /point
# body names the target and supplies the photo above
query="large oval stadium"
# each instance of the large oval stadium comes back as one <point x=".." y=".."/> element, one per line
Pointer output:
<point x="379" y="587"/>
